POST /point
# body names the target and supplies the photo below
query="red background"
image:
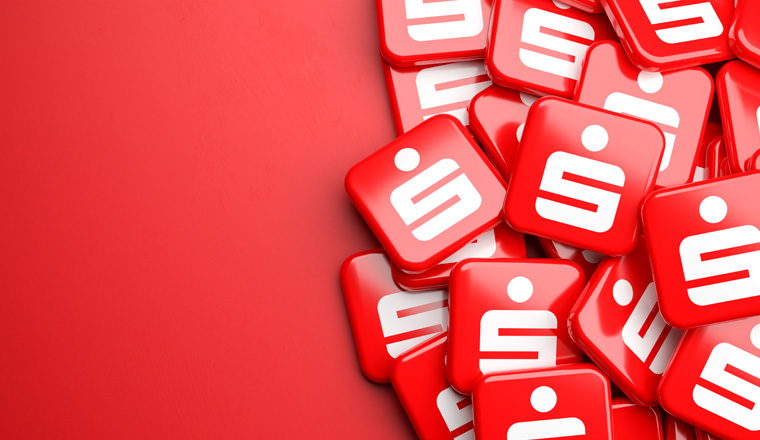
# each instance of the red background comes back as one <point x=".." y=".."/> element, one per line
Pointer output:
<point x="173" y="218"/>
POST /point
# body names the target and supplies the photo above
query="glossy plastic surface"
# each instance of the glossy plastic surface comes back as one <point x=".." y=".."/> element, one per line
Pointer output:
<point x="715" y="158"/>
<point x="581" y="177"/>
<point x="500" y="242"/>
<point x="617" y="323"/>
<point x="569" y="401"/>
<point x="678" y="102"/>
<point x="739" y="99"/>
<point x="675" y="429"/>
<point x="712" y="132"/>
<point x="744" y="35"/>
<point x="497" y="117"/>
<point x="590" y="6"/>
<point x="725" y="169"/>
<point x="586" y="260"/>
<point x="414" y="33"/>
<point x="509" y="315"/>
<point x="436" y="411"/>
<point x="632" y="422"/>
<point x="418" y="93"/>
<point x="713" y="380"/>
<point x="385" y="320"/>
<point x="702" y="435"/>
<point x="538" y="46"/>
<point x="427" y="194"/>
<point x="660" y="36"/>
<point x="753" y="163"/>
<point x="704" y="248"/>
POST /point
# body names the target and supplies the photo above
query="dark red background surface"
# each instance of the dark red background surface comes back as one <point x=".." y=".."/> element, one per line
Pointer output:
<point x="172" y="219"/>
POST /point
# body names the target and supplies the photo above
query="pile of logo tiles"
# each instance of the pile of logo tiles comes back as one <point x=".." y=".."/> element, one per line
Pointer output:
<point x="644" y="201"/>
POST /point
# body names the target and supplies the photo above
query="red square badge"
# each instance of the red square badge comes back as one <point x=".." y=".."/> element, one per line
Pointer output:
<point x="509" y="315"/>
<point x="417" y="32"/>
<point x="436" y="411"/>
<point x="538" y="46"/>
<point x="713" y="381"/>
<point x="385" y="320"/>
<point x="581" y="177"/>
<point x="668" y="35"/>
<point x="419" y="93"/>
<point x="678" y="102"/>
<point x="704" y="246"/>
<point x="572" y="401"/>
<point x="618" y="324"/>
<point x="428" y="193"/>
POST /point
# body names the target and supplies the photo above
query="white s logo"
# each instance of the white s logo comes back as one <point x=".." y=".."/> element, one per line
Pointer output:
<point x="470" y="25"/>
<point x="606" y="202"/>
<point x="708" y="28"/>
<point x="534" y="21"/>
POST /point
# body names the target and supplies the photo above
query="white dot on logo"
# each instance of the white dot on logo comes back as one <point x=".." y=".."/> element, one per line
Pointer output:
<point x="595" y="138"/>
<point x="520" y="131"/>
<point x="520" y="289"/>
<point x="407" y="159"/>
<point x="650" y="82"/>
<point x="754" y="336"/>
<point x="543" y="399"/>
<point x="713" y="209"/>
<point x="560" y="5"/>
<point x="622" y="292"/>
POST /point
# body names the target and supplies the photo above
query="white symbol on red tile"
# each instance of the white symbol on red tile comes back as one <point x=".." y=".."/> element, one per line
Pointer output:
<point x="517" y="351"/>
<point x="408" y="319"/>
<point x="540" y="28"/>
<point x="722" y="265"/>
<point x="544" y="399"/>
<point x="737" y="372"/>
<point x="649" y="82"/>
<point x="605" y="201"/>
<point x="708" y="24"/>
<point x="468" y="24"/>
<point x="421" y="214"/>
<point x="456" y="411"/>
<point x="643" y="346"/>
